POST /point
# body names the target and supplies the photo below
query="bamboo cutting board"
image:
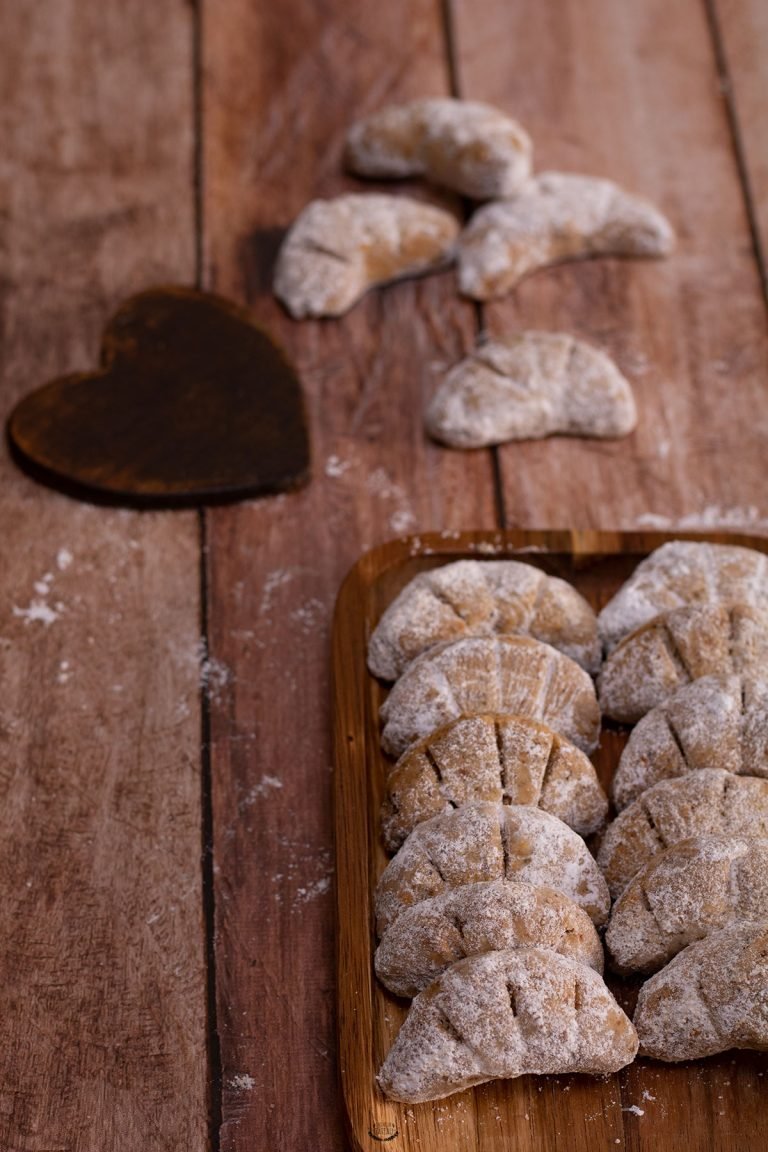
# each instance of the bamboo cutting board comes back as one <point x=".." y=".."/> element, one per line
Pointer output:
<point x="713" y="1105"/>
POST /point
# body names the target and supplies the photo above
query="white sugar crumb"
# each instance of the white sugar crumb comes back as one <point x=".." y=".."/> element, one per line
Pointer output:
<point x="635" y="1110"/>
<point x="242" y="1082"/>
<point x="312" y="891"/>
<point x="63" y="559"/>
<point x="647" y="1095"/>
<point x="335" y="467"/>
<point x="39" y="612"/>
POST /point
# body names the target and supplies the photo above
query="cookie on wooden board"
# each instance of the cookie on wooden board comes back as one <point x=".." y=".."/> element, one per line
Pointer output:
<point x="472" y="148"/>
<point x="338" y="249"/>
<point x="685" y="893"/>
<point x="717" y="720"/>
<point x="486" y="917"/>
<point x="505" y="1014"/>
<point x="510" y="674"/>
<point x="711" y="801"/>
<point x="534" y="385"/>
<point x="678" y="647"/>
<point x="710" y="998"/>
<point x="490" y="842"/>
<point x="502" y="759"/>
<point x="685" y="572"/>
<point x="556" y="216"/>
<point x="483" y="597"/>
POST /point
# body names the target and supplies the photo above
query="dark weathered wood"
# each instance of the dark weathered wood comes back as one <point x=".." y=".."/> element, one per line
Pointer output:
<point x="282" y="82"/>
<point x="708" y="1105"/>
<point x="631" y="92"/>
<point x="192" y="404"/>
<point x="742" y="29"/>
<point x="102" y="993"/>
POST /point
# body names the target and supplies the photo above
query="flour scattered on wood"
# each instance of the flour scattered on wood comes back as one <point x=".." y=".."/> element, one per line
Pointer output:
<point x="635" y="1110"/>
<point x="275" y="580"/>
<point x="335" y="466"/>
<point x="38" y="611"/>
<point x="713" y="516"/>
<point x="63" y="559"/>
<point x="242" y="1082"/>
<point x="266" y="785"/>
<point x="381" y="484"/>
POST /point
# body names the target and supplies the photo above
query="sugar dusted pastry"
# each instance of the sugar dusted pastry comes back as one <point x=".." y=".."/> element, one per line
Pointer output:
<point x="711" y="802"/>
<point x="683" y="894"/>
<point x="490" y="842"/>
<point x="685" y="572"/>
<point x="536" y="384"/>
<point x="483" y="597"/>
<point x="502" y="759"/>
<point x="338" y="249"/>
<point x="486" y="917"/>
<point x="717" y="720"/>
<point x="473" y="148"/>
<point x="713" y="996"/>
<point x="505" y="1014"/>
<point x="677" y="647"/>
<point x="556" y="216"/>
<point x="509" y="674"/>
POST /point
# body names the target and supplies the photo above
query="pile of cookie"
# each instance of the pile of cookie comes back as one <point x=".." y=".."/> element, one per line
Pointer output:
<point x="488" y="913"/>
<point x="537" y="384"/>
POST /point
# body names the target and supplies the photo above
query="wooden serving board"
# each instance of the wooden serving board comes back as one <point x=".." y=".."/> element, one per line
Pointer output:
<point x="713" y="1104"/>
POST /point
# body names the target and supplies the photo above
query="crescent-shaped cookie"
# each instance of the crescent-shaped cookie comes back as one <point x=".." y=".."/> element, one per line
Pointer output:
<point x="485" y="917"/>
<point x="555" y="217"/>
<point x="720" y="720"/>
<point x="685" y="572"/>
<point x="338" y="249"/>
<point x="490" y="842"/>
<point x="501" y="759"/>
<point x="710" y="998"/>
<point x="506" y="1014"/>
<point x="479" y="598"/>
<point x="537" y="384"/>
<point x="472" y="148"/>
<point x="710" y="802"/>
<point x="491" y="674"/>
<point x="676" y="648"/>
<point x="685" y="893"/>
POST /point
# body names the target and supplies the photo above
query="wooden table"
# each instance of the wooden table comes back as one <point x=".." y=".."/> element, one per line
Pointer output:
<point x="166" y="926"/>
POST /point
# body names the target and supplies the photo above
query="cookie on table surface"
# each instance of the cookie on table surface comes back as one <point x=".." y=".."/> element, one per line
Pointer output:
<point x="498" y="758"/>
<point x="490" y="842"/>
<point x="717" y="720"/>
<point x="685" y="893"/>
<point x="510" y="674"/>
<point x="506" y="1014"/>
<point x="486" y="917"/>
<point x="713" y="996"/>
<point x="478" y="598"/>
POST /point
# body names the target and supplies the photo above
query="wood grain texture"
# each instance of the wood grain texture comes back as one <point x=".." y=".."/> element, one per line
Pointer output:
<point x="742" y="28"/>
<point x="102" y="992"/>
<point x="281" y="84"/>
<point x="630" y="91"/>
<point x="707" y="1106"/>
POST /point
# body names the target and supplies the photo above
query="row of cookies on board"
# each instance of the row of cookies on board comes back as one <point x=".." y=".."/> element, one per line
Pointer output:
<point x="537" y="384"/>
<point x="481" y="691"/>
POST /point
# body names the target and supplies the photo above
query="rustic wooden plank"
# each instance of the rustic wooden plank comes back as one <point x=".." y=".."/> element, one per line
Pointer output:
<point x="741" y="28"/>
<point x="281" y="84"/>
<point x="102" y="982"/>
<point x="630" y="91"/>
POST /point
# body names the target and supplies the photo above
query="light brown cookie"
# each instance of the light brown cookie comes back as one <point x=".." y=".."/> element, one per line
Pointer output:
<point x="506" y="1014"/>
<point x="556" y="216"/>
<point x="537" y="384"/>
<point x="485" y="917"/>
<point x="483" y="598"/>
<point x="490" y="674"/>
<point x="682" y="895"/>
<point x="717" y="720"/>
<point x="472" y="148"/>
<point x="711" y="802"/>
<point x="710" y="998"/>
<point x="685" y="572"/>
<point x="490" y="842"/>
<point x="338" y="249"/>
<point x="498" y="758"/>
<point x="677" y="647"/>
